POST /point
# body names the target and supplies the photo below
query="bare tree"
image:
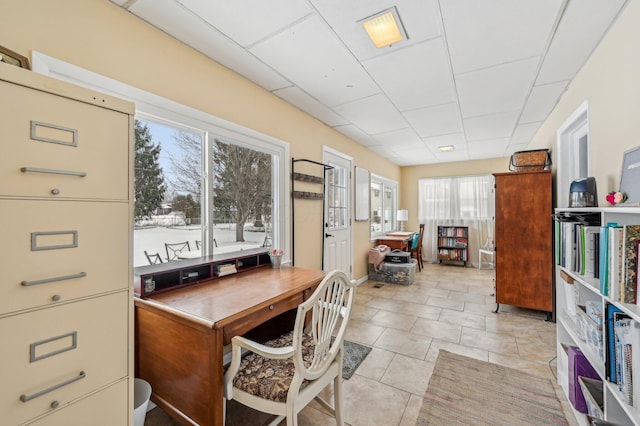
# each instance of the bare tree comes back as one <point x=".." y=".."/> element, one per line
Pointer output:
<point x="242" y="183"/>
<point x="186" y="168"/>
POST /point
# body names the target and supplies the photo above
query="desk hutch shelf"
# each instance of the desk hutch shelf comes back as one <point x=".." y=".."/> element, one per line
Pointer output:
<point x="154" y="279"/>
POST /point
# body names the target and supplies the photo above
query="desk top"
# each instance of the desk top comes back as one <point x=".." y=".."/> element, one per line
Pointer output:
<point x="395" y="237"/>
<point x="218" y="302"/>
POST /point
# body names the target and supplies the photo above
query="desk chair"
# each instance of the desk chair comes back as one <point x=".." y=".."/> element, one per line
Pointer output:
<point x="153" y="258"/>
<point x="416" y="247"/>
<point x="174" y="249"/>
<point x="486" y="250"/>
<point x="303" y="361"/>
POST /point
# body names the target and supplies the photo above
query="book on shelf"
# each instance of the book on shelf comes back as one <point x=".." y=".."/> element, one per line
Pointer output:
<point x="624" y="340"/>
<point x="226" y="269"/>
<point x="630" y="255"/>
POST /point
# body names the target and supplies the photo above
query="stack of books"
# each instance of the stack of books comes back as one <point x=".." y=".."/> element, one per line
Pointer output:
<point x="226" y="269"/>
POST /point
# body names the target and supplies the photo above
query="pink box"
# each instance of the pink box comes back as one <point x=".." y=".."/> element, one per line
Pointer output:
<point x="579" y="366"/>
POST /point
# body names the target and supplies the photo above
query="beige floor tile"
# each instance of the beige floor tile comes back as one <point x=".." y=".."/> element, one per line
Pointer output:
<point x="437" y="330"/>
<point x="409" y="374"/>
<point x="410" y="415"/>
<point x="393" y="320"/>
<point x="443" y="302"/>
<point x="455" y="348"/>
<point x="362" y="312"/>
<point x="466" y="296"/>
<point x="422" y="311"/>
<point x="465" y="319"/>
<point x="405" y="343"/>
<point x="385" y="304"/>
<point x="368" y="402"/>
<point x="499" y="343"/>
<point x="375" y="364"/>
<point x="363" y="332"/>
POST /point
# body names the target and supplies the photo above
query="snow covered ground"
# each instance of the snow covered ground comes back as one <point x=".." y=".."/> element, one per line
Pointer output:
<point x="152" y="239"/>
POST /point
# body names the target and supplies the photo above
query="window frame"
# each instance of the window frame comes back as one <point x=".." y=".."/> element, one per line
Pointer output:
<point x="385" y="183"/>
<point x="162" y="109"/>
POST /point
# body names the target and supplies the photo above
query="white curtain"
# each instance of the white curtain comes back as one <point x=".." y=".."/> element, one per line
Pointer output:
<point x="458" y="201"/>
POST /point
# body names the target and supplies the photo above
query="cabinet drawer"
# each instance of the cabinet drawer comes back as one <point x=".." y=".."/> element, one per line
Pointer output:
<point x="51" y="141"/>
<point x="58" y="354"/>
<point x="249" y="322"/>
<point x="108" y="407"/>
<point x="37" y="257"/>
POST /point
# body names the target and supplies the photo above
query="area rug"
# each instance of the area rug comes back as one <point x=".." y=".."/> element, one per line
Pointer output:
<point x="354" y="354"/>
<point x="466" y="391"/>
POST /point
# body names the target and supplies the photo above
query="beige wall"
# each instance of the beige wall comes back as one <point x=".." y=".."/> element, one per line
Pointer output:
<point x="411" y="175"/>
<point x="610" y="82"/>
<point x="101" y="37"/>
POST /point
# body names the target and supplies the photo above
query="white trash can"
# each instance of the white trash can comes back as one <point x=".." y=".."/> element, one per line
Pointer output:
<point x="141" y="396"/>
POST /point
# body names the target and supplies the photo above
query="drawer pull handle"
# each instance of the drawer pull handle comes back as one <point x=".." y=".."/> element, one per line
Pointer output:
<point x="25" y="398"/>
<point x="55" y="191"/>
<point x="52" y="171"/>
<point x="271" y="307"/>
<point x="54" y="279"/>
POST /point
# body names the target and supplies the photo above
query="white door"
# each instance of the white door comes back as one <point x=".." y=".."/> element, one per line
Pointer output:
<point x="337" y="216"/>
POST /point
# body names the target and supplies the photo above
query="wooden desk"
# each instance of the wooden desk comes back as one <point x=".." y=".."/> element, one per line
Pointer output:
<point x="180" y="334"/>
<point x="396" y="241"/>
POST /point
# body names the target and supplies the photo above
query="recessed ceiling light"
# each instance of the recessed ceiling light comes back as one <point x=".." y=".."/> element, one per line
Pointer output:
<point x="446" y="148"/>
<point x="384" y="28"/>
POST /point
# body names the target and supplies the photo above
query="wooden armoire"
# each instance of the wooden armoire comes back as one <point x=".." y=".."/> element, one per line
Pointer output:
<point x="524" y="240"/>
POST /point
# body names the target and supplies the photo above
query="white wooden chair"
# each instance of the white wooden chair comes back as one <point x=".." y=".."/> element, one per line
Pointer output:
<point x="301" y="363"/>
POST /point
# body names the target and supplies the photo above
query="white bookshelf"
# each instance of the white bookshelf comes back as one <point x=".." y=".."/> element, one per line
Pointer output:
<point x="616" y="410"/>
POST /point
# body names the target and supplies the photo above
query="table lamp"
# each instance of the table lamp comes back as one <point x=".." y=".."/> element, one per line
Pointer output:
<point x="402" y="217"/>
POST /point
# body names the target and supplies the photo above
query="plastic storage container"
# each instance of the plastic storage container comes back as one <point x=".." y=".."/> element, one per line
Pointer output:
<point x="396" y="273"/>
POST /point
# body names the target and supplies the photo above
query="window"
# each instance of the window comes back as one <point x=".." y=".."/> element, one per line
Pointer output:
<point x="456" y="201"/>
<point x="195" y="178"/>
<point x="383" y="205"/>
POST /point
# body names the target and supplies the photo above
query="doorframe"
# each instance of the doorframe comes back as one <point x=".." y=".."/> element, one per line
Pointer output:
<point x="328" y="150"/>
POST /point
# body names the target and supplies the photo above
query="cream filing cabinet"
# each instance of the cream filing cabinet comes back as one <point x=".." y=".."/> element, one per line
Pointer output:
<point x="66" y="296"/>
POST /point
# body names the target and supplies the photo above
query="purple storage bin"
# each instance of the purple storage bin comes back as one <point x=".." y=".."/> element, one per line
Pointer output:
<point x="579" y="366"/>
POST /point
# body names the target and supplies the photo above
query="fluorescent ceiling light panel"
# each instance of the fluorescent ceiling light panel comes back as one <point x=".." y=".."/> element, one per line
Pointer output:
<point x="384" y="28"/>
<point x="446" y="148"/>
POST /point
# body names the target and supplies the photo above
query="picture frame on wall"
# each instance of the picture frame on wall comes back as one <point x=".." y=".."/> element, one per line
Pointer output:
<point x="10" y="57"/>
<point x="630" y="176"/>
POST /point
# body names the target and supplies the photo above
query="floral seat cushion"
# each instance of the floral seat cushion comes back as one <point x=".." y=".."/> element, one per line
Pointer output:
<point x="270" y="378"/>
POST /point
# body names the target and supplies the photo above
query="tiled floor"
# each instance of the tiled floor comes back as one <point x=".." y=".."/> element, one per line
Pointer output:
<point x="447" y="307"/>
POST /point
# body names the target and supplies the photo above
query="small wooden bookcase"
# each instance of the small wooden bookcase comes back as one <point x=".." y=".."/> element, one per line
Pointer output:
<point x="453" y="243"/>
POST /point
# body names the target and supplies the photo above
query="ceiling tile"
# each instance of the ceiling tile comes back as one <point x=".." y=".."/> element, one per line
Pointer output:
<point x="490" y="126"/>
<point x="310" y="55"/>
<point x="515" y="148"/>
<point x="415" y="76"/>
<point x="456" y="139"/>
<point x="399" y="139"/>
<point x="436" y="120"/>
<point x="451" y="156"/>
<point x="180" y="23"/>
<point x="525" y="132"/>
<point x="488" y="148"/>
<point x="356" y="134"/>
<point x="249" y="21"/>
<point x="486" y="33"/>
<point x="373" y="115"/>
<point x="415" y="156"/>
<point x="497" y="89"/>
<point x="541" y="101"/>
<point x="420" y="18"/>
<point x="583" y="25"/>
<point x="306" y="103"/>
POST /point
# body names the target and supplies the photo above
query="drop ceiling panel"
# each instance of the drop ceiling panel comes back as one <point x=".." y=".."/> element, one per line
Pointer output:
<point x="488" y="148"/>
<point x="456" y="140"/>
<point x="183" y="25"/>
<point x="486" y="33"/>
<point x="490" y="126"/>
<point x="436" y="120"/>
<point x="414" y="77"/>
<point x="542" y="101"/>
<point x="399" y="139"/>
<point x="448" y="157"/>
<point x="356" y="134"/>
<point x="420" y="18"/>
<point x="525" y="132"/>
<point x="306" y="103"/>
<point x="310" y="55"/>
<point x="497" y="89"/>
<point x="248" y="21"/>
<point x="373" y="115"/>
<point x="589" y="19"/>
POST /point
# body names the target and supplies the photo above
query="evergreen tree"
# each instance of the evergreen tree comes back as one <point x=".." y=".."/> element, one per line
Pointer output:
<point x="149" y="180"/>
